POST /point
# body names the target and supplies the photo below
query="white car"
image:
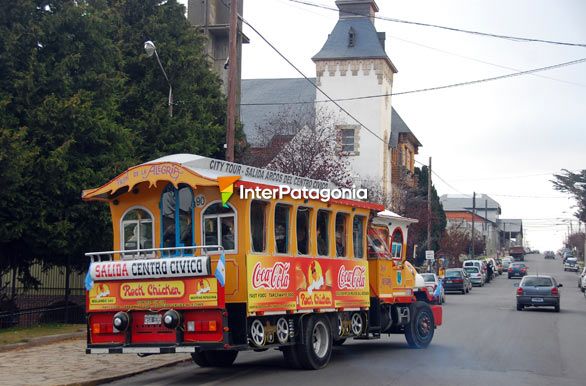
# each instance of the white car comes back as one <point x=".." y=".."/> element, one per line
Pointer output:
<point x="582" y="280"/>
<point x="476" y="276"/>
<point x="431" y="282"/>
<point x="480" y="264"/>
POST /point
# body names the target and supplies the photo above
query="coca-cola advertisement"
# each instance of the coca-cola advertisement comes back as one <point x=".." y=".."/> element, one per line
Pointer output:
<point x="290" y="283"/>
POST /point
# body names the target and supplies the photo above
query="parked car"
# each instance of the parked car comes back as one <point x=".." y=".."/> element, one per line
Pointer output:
<point x="456" y="279"/>
<point x="517" y="269"/>
<point x="480" y="264"/>
<point x="506" y="262"/>
<point x="476" y="277"/>
<point x="538" y="291"/>
<point x="567" y="255"/>
<point x="492" y="262"/>
<point x="571" y="264"/>
<point x="499" y="265"/>
<point x="431" y="282"/>
<point x="582" y="280"/>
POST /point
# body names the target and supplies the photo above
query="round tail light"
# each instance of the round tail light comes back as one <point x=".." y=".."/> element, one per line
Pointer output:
<point x="121" y="321"/>
<point x="172" y="319"/>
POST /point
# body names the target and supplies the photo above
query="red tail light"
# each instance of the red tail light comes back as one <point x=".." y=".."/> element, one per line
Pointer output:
<point x="519" y="291"/>
<point x="510" y="269"/>
<point x="458" y="280"/>
<point x="554" y="291"/>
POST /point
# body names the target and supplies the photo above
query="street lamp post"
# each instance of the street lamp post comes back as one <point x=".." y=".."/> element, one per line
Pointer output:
<point x="151" y="49"/>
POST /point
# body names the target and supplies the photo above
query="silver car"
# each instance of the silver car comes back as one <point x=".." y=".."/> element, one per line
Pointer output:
<point x="538" y="291"/>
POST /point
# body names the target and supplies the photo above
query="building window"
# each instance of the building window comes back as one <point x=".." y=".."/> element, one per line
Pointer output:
<point x="137" y="230"/>
<point x="322" y="231"/>
<point x="303" y="236"/>
<point x="358" y="236"/>
<point x="282" y="217"/>
<point x="258" y="225"/>
<point x="351" y="37"/>
<point x="349" y="139"/>
<point x="219" y="226"/>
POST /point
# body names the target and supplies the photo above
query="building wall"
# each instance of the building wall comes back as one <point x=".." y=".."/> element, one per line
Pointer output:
<point x="351" y="78"/>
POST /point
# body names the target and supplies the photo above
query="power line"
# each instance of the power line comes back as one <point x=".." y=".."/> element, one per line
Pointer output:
<point x="483" y="61"/>
<point x="472" y="32"/>
<point x="427" y="89"/>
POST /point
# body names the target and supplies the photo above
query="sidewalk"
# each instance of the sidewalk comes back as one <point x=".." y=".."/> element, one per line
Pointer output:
<point x="65" y="363"/>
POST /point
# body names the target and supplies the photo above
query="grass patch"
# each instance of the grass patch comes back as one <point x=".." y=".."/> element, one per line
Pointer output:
<point x="22" y="334"/>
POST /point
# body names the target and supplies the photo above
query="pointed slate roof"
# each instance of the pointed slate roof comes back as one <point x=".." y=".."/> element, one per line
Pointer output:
<point x="367" y="42"/>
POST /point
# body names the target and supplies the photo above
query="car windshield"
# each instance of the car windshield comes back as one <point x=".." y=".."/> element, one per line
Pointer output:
<point x="537" y="282"/>
<point x="453" y="274"/>
<point x="471" y="269"/>
<point x="571" y="261"/>
<point x="428" y="276"/>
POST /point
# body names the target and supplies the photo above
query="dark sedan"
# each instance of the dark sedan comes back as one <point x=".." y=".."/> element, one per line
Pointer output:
<point x="517" y="269"/>
<point x="456" y="279"/>
<point x="538" y="291"/>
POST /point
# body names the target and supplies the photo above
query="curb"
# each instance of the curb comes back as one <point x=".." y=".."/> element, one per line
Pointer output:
<point x="99" y="381"/>
<point x="41" y="341"/>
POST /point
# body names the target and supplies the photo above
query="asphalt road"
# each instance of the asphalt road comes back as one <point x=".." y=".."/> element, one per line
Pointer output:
<point x="484" y="341"/>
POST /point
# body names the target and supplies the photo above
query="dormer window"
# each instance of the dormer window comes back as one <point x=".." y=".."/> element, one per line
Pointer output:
<point x="351" y="37"/>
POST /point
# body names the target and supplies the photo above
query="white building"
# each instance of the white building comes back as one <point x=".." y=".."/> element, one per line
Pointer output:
<point x="352" y="63"/>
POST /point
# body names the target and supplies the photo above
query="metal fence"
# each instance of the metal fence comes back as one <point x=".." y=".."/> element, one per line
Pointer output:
<point x="59" y="298"/>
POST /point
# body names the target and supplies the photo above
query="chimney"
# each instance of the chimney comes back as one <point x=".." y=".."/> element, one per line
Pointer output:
<point x="357" y="8"/>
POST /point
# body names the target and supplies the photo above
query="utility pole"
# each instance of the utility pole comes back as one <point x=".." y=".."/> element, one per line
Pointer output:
<point x="429" y="206"/>
<point x="473" y="214"/>
<point x="232" y="86"/>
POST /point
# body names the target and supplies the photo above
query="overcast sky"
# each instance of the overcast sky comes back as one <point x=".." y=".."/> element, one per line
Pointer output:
<point x="502" y="138"/>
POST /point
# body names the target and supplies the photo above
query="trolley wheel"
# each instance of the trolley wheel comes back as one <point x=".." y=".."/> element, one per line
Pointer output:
<point x="419" y="332"/>
<point x="315" y="350"/>
<point x="214" y="358"/>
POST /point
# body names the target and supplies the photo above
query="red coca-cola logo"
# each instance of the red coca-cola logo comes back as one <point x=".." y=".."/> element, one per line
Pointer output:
<point x="352" y="279"/>
<point x="274" y="278"/>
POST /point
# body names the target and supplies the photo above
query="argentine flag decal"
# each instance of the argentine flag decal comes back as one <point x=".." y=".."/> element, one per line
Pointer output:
<point x="221" y="270"/>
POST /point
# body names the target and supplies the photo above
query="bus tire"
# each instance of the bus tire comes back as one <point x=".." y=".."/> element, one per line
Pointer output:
<point x="315" y="351"/>
<point x="216" y="358"/>
<point x="339" y="342"/>
<point x="419" y="332"/>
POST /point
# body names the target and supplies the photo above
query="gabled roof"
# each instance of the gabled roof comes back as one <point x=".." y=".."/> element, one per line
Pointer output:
<point x="367" y="44"/>
<point x="458" y="202"/>
<point x="399" y="126"/>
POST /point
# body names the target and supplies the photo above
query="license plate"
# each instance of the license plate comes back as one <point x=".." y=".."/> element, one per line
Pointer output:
<point x="537" y="300"/>
<point x="152" y="319"/>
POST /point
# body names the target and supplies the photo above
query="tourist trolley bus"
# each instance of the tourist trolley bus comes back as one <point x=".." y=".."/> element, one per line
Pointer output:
<point x="196" y="268"/>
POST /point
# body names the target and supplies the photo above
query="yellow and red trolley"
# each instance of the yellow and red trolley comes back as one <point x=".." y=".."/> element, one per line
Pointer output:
<point x="199" y="266"/>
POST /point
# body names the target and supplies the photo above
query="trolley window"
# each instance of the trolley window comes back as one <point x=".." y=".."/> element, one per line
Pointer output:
<point x="341" y="232"/>
<point x="219" y="226"/>
<point x="358" y="236"/>
<point x="258" y="229"/>
<point x="322" y="232"/>
<point x="137" y="230"/>
<point x="303" y="235"/>
<point x="282" y="217"/>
